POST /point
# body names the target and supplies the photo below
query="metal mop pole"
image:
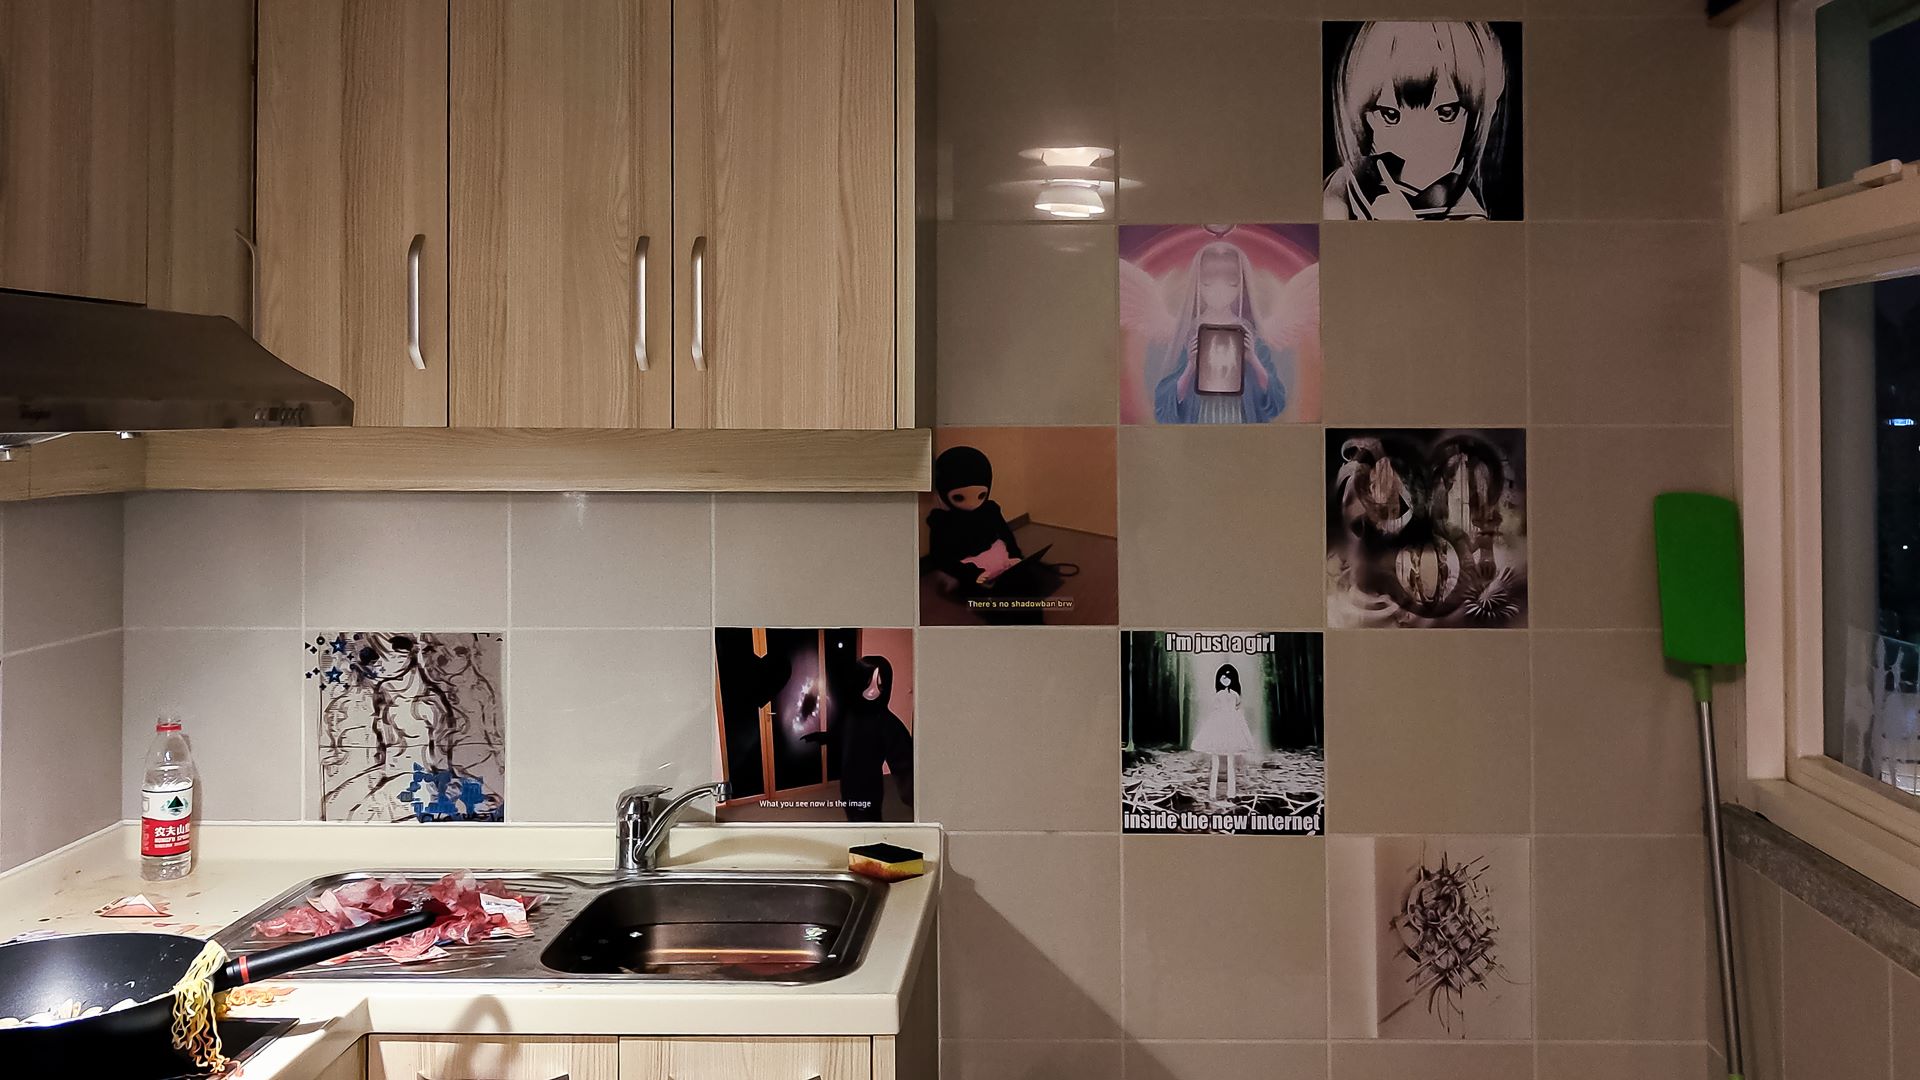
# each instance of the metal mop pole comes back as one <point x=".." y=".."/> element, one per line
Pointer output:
<point x="1722" y="909"/>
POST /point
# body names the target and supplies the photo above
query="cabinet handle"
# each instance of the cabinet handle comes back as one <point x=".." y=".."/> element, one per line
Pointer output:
<point x="413" y="301"/>
<point x="253" y="283"/>
<point x="700" y="303"/>
<point x="640" y="303"/>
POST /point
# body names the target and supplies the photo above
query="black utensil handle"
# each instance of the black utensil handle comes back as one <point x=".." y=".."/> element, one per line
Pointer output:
<point x="268" y="963"/>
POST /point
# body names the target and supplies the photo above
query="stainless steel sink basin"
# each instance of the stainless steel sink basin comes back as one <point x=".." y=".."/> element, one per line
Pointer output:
<point x="667" y="925"/>
<point x="724" y="927"/>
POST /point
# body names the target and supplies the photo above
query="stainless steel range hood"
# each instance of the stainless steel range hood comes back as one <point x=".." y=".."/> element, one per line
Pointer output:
<point x="81" y="365"/>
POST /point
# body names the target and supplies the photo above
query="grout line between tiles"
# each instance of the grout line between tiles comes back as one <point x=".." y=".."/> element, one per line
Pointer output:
<point x="76" y="639"/>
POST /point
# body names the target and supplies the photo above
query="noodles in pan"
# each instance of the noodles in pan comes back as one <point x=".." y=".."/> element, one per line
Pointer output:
<point x="195" y="1010"/>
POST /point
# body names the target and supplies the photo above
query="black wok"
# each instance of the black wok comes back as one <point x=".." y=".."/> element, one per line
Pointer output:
<point x="101" y="969"/>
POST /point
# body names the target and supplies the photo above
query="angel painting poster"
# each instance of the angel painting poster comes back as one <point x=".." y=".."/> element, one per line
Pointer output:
<point x="1422" y="121"/>
<point x="1426" y="527"/>
<point x="1222" y="731"/>
<point x="1220" y="324"/>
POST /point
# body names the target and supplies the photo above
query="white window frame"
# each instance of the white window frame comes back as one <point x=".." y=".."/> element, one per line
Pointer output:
<point x="1793" y="240"/>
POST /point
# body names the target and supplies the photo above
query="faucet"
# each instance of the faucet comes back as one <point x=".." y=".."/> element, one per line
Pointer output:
<point x="643" y="819"/>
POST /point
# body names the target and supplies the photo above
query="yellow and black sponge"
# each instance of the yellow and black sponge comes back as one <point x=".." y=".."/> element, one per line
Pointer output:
<point x="886" y="862"/>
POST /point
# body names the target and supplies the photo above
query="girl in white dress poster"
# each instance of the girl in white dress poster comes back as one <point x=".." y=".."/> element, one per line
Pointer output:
<point x="1221" y="732"/>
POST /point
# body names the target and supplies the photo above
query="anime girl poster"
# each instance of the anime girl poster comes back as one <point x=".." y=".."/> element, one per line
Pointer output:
<point x="1021" y="528"/>
<point x="1431" y="937"/>
<point x="815" y="724"/>
<point x="1422" y="121"/>
<point x="1222" y="731"/>
<point x="1426" y="527"/>
<point x="1220" y="324"/>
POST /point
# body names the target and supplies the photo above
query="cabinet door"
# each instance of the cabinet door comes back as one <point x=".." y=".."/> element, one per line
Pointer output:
<point x="73" y="147"/>
<point x="562" y="303"/>
<point x="352" y="200"/>
<point x="445" y="1057"/>
<point x="784" y="213"/>
<point x="746" y="1059"/>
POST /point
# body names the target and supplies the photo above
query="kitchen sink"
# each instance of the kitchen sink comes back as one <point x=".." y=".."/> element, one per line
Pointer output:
<point x="720" y="927"/>
<point x="665" y="925"/>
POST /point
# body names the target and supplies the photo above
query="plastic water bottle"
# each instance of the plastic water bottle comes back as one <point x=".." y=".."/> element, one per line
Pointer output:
<point x="166" y="804"/>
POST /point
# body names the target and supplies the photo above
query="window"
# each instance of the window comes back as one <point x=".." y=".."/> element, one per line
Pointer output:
<point x="1829" y="423"/>
<point x="1865" y="55"/>
<point x="1870" y="527"/>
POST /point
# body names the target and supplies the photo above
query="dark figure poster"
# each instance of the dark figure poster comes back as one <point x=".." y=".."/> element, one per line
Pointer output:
<point x="1426" y="527"/>
<point x="1222" y="732"/>
<point x="815" y="724"/>
<point x="1422" y="121"/>
<point x="1021" y="528"/>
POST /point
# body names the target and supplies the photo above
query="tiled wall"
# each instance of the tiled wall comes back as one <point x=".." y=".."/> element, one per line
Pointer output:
<point x="60" y="673"/>
<point x="1600" y="324"/>
<point x="1819" y="1003"/>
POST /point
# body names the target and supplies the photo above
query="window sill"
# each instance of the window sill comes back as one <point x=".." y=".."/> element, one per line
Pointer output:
<point x="1875" y="852"/>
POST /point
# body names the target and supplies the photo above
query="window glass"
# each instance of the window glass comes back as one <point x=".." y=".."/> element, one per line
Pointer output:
<point x="1867" y="52"/>
<point x="1870" y="495"/>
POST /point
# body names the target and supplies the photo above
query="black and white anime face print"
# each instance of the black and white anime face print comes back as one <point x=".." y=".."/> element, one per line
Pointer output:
<point x="1422" y="121"/>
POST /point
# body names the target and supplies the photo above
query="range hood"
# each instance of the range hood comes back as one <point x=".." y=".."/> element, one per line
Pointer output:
<point x="83" y="365"/>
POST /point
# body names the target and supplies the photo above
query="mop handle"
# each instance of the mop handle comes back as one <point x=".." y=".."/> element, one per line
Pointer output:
<point x="1717" y="859"/>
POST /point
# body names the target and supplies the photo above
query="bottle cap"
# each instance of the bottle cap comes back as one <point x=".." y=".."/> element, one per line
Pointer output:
<point x="168" y="723"/>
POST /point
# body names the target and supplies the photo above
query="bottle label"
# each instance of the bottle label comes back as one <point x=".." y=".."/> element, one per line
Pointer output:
<point x="166" y="820"/>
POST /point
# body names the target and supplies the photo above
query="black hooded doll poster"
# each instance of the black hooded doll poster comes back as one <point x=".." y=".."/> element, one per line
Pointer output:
<point x="1222" y="731"/>
<point x="1021" y="528"/>
<point x="815" y="724"/>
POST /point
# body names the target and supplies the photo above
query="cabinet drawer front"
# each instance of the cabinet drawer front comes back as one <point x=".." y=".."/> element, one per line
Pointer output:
<point x="479" y="1057"/>
<point x="746" y="1059"/>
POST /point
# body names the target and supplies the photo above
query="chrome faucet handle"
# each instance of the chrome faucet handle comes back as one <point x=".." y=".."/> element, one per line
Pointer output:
<point x="640" y="795"/>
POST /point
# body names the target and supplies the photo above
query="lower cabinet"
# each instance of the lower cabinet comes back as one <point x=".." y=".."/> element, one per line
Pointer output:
<point x="459" y="1057"/>
<point x="482" y="1057"/>
<point x="757" y="1059"/>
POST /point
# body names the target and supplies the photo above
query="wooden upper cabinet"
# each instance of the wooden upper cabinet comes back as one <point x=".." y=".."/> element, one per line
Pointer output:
<point x="73" y="147"/>
<point x="562" y="213"/>
<point x="351" y="210"/>
<point x="785" y="213"/>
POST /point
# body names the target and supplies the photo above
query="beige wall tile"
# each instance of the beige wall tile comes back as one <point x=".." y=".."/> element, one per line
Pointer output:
<point x="1906" y="1025"/>
<point x="1202" y="138"/>
<point x="1027" y="324"/>
<point x="1225" y="937"/>
<point x="1756" y="926"/>
<point x="1630" y="323"/>
<point x="612" y="559"/>
<point x="1186" y="10"/>
<point x="241" y="697"/>
<point x="1420" y="9"/>
<point x="1030" y="937"/>
<point x="1626" y="118"/>
<point x="1432" y="1061"/>
<point x="60" y="724"/>
<point x="1427" y="732"/>
<point x="1838" y="1012"/>
<point x="213" y="559"/>
<point x="1626" y="9"/>
<point x="1592" y="516"/>
<point x="1624" y="1061"/>
<point x="1221" y="1060"/>
<point x="1035" y="1060"/>
<point x="1446" y="345"/>
<point x="947" y="11"/>
<point x="1222" y="527"/>
<point x="1620" y="942"/>
<point x="1019" y="83"/>
<point x="62" y="570"/>
<point x="406" y="562"/>
<point x="814" y="560"/>
<point x="1019" y="728"/>
<point x="1614" y="746"/>
<point x="642" y="700"/>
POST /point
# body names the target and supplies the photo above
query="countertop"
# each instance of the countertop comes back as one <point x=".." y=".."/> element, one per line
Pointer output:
<point x="243" y="865"/>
